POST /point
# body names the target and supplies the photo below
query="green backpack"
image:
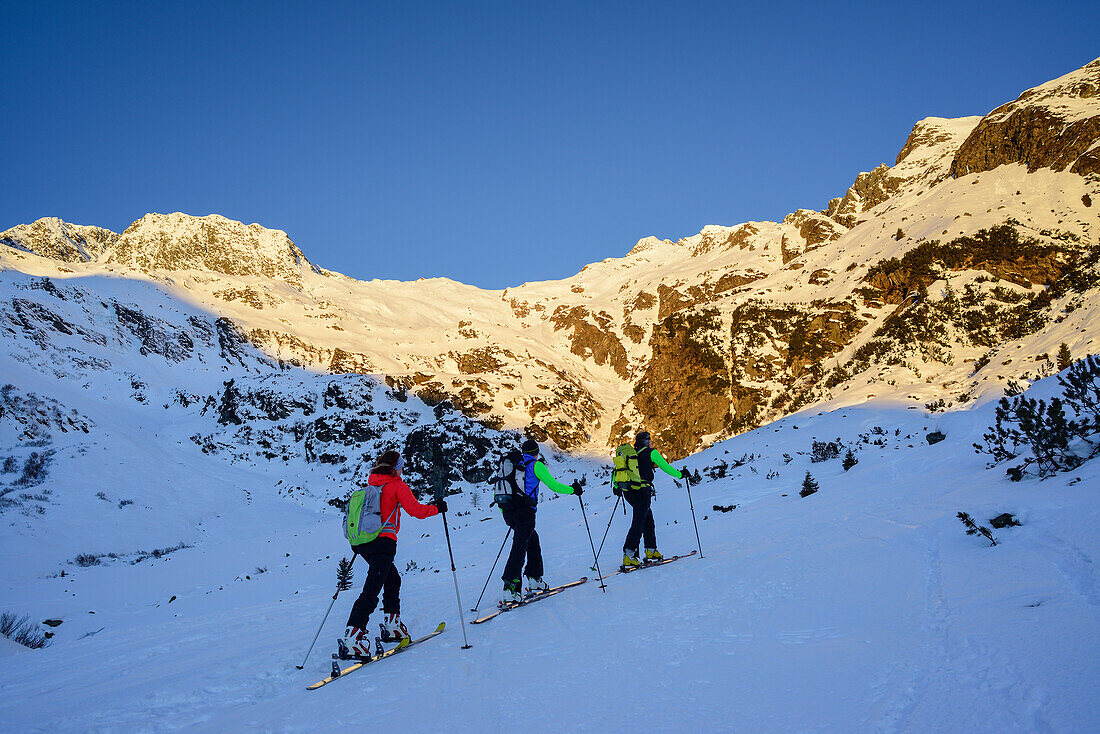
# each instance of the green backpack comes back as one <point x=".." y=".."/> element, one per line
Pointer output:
<point x="363" y="519"/>
<point x="626" y="475"/>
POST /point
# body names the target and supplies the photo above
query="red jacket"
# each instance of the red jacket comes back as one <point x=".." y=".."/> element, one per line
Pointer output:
<point x="395" y="495"/>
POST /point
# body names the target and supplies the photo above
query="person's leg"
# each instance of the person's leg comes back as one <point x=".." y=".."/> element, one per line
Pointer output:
<point x="520" y="536"/>
<point x="648" y="529"/>
<point x="391" y="586"/>
<point x="380" y="565"/>
<point x="534" y="552"/>
<point x="640" y="506"/>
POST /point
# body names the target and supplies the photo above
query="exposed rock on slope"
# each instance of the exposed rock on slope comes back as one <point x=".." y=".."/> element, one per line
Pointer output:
<point x="1055" y="125"/>
<point x="920" y="165"/>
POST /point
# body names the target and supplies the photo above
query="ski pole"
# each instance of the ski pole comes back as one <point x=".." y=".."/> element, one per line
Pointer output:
<point x="454" y="575"/>
<point x="594" y="556"/>
<point x="692" y="506"/>
<point x="353" y="557"/>
<point x="494" y="568"/>
<point x="609" y="524"/>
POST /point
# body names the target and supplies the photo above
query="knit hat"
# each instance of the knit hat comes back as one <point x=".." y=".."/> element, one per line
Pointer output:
<point x="530" y="447"/>
<point x="390" y="459"/>
<point x="642" y="439"/>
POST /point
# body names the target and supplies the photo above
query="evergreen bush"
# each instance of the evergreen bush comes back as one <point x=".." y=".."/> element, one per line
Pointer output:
<point x="1048" y="437"/>
<point x="1063" y="359"/>
<point x="972" y="528"/>
<point x="825" y="450"/>
<point x="809" y="486"/>
<point x="19" y="629"/>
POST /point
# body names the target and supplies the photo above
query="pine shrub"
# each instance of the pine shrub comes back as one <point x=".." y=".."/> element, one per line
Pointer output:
<point x="84" y="560"/>
<point x="850" y="460"/>
<point x="825" y="450"/>
<point x="344" y="575"/>
<point x="1044" y="434"/>
<point x="809" y="486"/>
<point x="19" y="629"/>
<point x="1063" y="359"/>
<point x="972" y="528"/>
<point x="34" y="470"/>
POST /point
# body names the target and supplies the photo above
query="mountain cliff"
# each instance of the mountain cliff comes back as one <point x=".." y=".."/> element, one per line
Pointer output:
<point x="1055" y="125"/>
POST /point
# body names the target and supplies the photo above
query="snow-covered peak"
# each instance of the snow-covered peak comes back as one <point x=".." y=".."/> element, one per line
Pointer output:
<point x="933" y="137"/>
<point x="646" y="243"/>
<point x="924" y="161"/>
<point x="53" y="238"/>
<point x="926" y="157"/>
<point x="213" y="244"/>
<point x="1073" y="96"/>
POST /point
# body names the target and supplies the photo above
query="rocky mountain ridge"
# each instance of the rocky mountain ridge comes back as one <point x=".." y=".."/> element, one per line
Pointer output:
<point x="709" y="335"/>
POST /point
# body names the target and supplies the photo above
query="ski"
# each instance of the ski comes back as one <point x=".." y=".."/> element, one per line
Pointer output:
<point x="528" y="600"/>
<point x="649" y="565"/>
<point x="360" y="663"/>
<point x="578" y="582"/>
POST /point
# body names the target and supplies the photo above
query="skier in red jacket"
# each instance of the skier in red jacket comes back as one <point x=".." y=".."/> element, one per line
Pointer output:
<point x="380" y="552"/>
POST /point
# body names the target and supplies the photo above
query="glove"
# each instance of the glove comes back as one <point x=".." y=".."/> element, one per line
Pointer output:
<point x="441" y="504"/>
<point x="686" y="475"/>
<point x="577" y="489"/>
<point x="616" y="491"/>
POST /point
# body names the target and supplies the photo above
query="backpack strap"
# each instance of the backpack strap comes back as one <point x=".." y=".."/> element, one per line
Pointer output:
<point x="388" y="523"/>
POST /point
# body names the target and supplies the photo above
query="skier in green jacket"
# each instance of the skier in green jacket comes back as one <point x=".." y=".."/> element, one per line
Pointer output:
<point x="639" y="495"/>
<point x="520" y="516"/>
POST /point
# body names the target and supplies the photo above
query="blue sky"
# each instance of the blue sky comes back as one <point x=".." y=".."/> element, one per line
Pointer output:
<point x="493" y="143"/>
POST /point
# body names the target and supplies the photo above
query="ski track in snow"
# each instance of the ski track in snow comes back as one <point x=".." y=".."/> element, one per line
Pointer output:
<point x="1077" y="568"/>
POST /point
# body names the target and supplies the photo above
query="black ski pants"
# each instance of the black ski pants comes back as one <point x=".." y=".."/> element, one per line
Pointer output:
<point x="642" y="522"/>
<point x="525" y="543"/>
<point x="382" y="576"/>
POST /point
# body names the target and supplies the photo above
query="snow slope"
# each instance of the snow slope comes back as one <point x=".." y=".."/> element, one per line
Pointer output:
<point x="863" y="607"/>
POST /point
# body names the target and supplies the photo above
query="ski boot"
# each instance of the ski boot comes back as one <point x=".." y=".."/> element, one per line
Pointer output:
<point x="652" y="555"/>
<point x="354" y="644"/>
<point x="393" y="629"/>
<point x="536" y="586"/>
<point x="630" y="561"/>
<point x="513" y="594"/>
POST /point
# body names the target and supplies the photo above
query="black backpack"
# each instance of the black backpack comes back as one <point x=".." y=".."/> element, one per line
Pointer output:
<point x="507" y="490"/>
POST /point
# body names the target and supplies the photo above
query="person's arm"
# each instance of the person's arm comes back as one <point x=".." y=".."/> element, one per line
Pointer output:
<point x="667" y="468"/>
<point x="408" y="502"/>
<point x="546" y="478"/>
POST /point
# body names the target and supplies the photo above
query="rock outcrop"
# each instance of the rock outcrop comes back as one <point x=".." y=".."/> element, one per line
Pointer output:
<point x="1055" y="125"/>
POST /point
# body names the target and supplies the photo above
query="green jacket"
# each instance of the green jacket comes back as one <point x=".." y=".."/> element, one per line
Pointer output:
<point x="544" y="476"/>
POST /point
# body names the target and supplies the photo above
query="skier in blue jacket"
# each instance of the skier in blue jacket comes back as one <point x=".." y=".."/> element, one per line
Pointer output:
<point x="520" y="516"/>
